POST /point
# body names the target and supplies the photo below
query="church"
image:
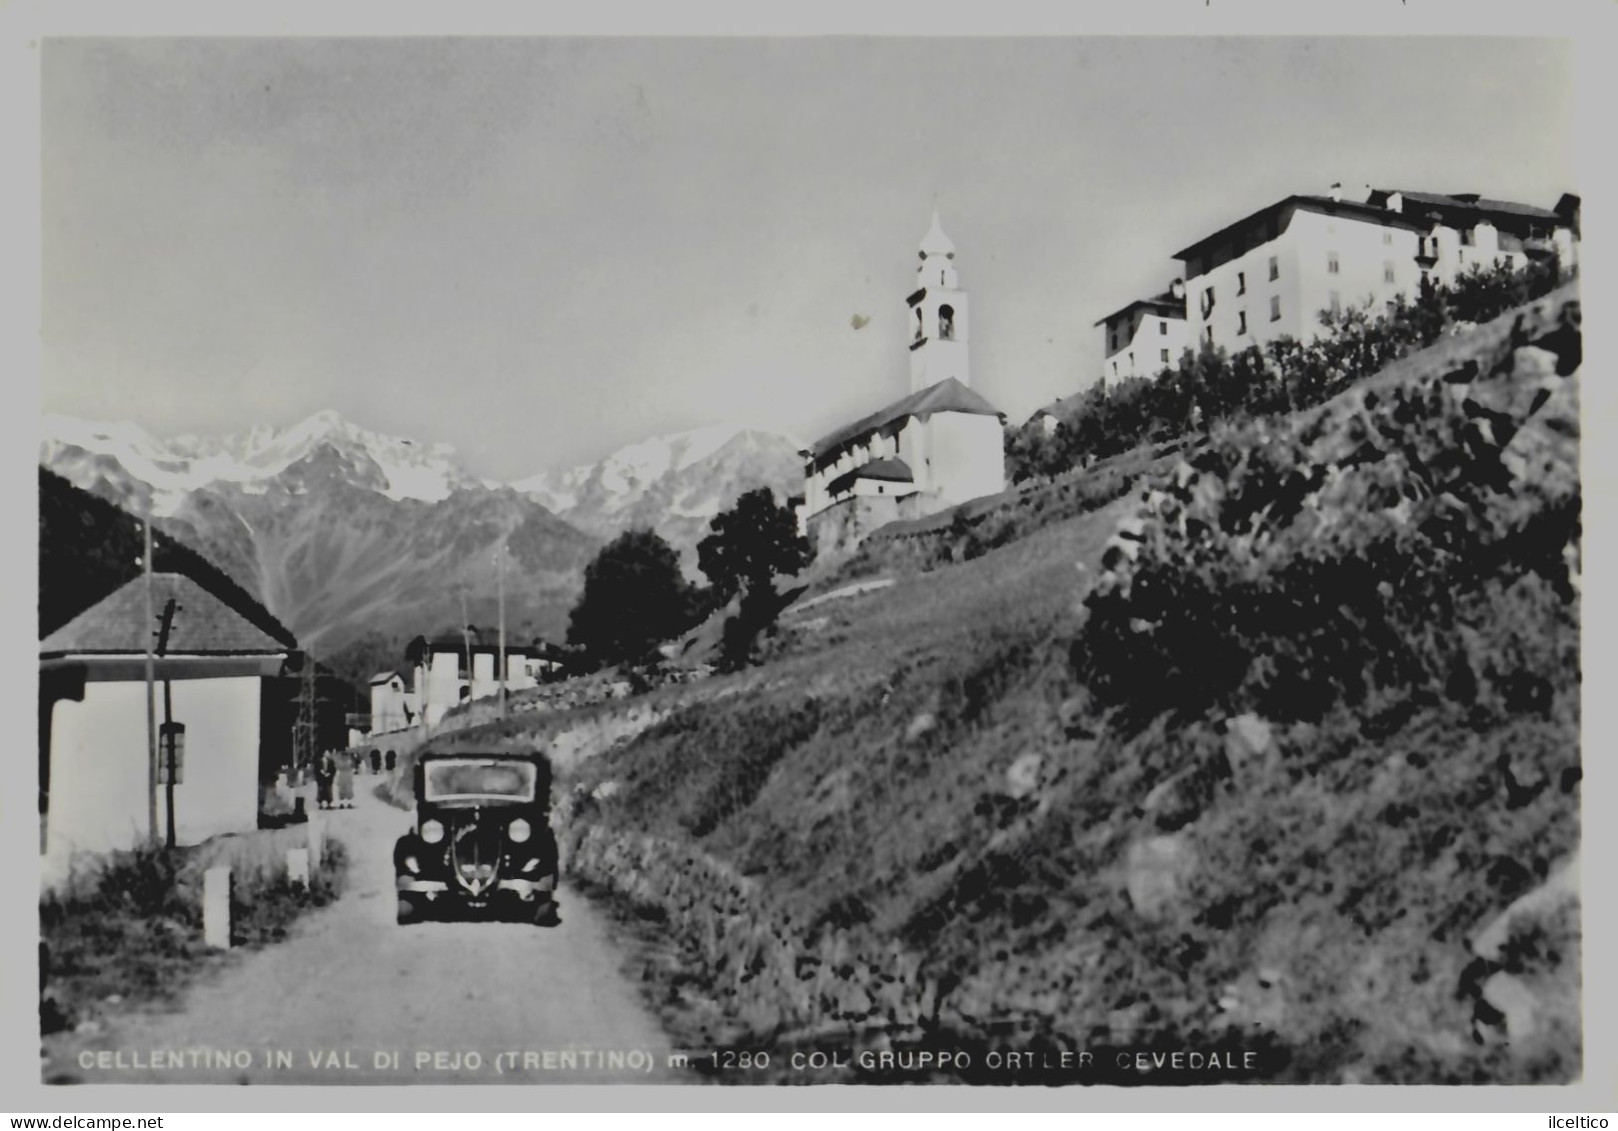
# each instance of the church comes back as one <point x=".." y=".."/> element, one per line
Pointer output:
<point x="940" y="446"/>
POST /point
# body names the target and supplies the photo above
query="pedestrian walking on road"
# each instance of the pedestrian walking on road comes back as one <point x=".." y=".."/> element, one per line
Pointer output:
<point x="345" y="783"/>
<point x="324" y="776"/>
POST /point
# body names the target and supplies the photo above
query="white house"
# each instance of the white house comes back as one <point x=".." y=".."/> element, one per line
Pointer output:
<point x="456" y="667"/>
<point x="937" y="447"/>
<point x="394" y="706"/>
<point x="1145" y="337"/>
<point x="215" y="678"/>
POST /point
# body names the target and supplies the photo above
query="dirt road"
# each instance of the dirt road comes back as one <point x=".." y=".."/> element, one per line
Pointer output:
<point x="354" y="998"/>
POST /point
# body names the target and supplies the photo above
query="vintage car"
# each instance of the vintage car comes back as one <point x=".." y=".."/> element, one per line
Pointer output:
<point x="482" y="845"/>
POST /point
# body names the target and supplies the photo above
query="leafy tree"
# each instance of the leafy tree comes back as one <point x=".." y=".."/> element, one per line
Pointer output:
<point x="634" y="598"/>
<point x="750" y="545"/>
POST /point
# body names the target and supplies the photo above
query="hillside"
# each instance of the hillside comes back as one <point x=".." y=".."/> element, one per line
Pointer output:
<point x="1266" y="744"/>
<point x="88" y="548"/>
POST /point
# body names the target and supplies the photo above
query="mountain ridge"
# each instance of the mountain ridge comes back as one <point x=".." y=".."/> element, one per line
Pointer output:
<point x="342" y="531"/>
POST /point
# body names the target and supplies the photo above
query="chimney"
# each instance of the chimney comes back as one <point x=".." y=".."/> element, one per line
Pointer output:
<point x="1336" y="191"/>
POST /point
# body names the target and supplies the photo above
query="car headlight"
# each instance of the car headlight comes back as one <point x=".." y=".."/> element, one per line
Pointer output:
<point x="520" y="830"/>
<point x="431" y="831"/>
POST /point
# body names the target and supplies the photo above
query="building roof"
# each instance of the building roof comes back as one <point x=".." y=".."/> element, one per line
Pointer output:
<point x="1469" y="201"/>
<point x="1164" y="303"/>
<point x="948" y="395"/>
<point x="1371" y="213"/>
<point x="887" y="470"/>
<point x="384" y="677"/>
<point x="203" y="625"/>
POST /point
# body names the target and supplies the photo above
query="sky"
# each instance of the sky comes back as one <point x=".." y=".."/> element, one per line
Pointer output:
<point x="541" y="249"/>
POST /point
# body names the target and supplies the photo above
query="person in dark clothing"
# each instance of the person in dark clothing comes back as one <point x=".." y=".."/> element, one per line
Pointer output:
<point x="325" y="774"/>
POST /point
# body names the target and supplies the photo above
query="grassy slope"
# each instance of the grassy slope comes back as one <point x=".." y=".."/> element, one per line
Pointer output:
<point x="1329" y="889"/>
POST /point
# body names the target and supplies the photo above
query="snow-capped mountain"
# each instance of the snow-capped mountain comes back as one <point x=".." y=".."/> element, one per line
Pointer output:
<point x="675" y="483"/>
<point x="394" y="467"/>
<point x="344" y="533"/>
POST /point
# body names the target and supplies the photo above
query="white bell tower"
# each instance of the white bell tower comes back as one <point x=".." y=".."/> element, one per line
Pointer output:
<point x="937" y="315"/>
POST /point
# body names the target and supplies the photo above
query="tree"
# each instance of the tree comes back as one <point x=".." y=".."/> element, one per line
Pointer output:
<point x="750" y="545"/>
<point x="634" y="598"/>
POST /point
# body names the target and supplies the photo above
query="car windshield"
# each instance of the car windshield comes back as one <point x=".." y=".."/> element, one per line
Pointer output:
<point x="471" y="779"/>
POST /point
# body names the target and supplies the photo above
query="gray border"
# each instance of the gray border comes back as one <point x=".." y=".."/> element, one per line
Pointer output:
<point x="1590" y="23"/>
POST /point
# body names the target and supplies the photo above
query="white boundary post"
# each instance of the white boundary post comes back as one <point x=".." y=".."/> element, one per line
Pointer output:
<point x="216" y="907"/>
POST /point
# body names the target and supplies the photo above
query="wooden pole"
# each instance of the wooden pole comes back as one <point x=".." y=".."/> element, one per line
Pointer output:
<point x="168" y="787"/>
<point x="151" y="705"/>
<point x="500" y="576"/>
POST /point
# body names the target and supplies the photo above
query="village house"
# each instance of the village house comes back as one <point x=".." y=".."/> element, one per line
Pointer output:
<point x="1273" y="273"/>
<point x="219" y="676"/>
<point x="939" y="446"/>
<point x="453" y="668"/>
<point x="1145" y="337"/>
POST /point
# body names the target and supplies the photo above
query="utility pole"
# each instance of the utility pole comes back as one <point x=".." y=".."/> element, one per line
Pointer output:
<point x="151" y="707"/>
<point x="170" y="747"/>
<point x="466" y="645"/>
<point x="500" y="581"/>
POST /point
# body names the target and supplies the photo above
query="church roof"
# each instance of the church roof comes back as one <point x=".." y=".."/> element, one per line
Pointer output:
<point x="935" y="242"/>
<point x="203" y="624"/>
<point x="948" y="395"/>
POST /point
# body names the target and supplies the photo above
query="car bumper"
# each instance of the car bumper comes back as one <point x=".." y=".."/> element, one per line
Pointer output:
<point x="521" y="888"/>
<point x="529" y="889"/>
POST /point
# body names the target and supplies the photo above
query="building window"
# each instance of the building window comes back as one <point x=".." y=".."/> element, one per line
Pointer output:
<point x="1132" y="361"/>
<point x="1241" y="282"/>
<point x="1387" y="271"/>
<point x="1115" y="369"/>
<point x="1207" y="334"/>
<point x="1241" y="321"/>
<point x="1162" y="326"/>
<point x="946" y="322"/>
<point x="1336" y="301"/>
<point x="1207" y="301"/>
<point x="918" y="324"/>
<point x="1468" y="237"/>
<point x="1164" y="355"/>
<point x="1275" y="267"/>
<point x="1331" y="263"/>
<point x="1275" y="308"/>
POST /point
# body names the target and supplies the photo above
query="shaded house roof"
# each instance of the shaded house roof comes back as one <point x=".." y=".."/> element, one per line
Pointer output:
<point x="203" y="625"/>
<point x="948" y="395"/>
<point x="1374" y="213"/>
<point x="889" y="470"/>
<point x="1164" y="303"/>
<point x="384" y="677"/>
<point x="1468" y="202"/>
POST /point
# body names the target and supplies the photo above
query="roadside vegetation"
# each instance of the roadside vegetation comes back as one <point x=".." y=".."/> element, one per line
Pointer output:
<point x="125" y="930"/>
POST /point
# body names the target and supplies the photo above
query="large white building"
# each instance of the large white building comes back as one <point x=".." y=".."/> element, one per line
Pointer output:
<point x="1274" y="272"/>
<point x="939" y="446"/>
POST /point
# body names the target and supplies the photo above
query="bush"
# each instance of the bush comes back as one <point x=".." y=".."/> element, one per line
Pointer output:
<point x="1210" y="385"/>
